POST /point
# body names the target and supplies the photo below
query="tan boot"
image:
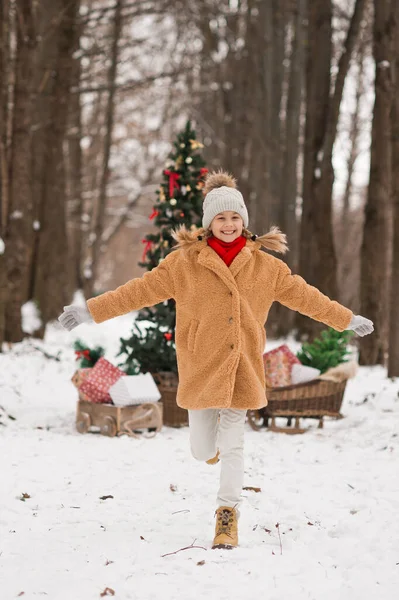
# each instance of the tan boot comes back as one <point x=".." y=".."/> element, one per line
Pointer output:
<point x="214" y="460"/>
<point x="226" y="532"/>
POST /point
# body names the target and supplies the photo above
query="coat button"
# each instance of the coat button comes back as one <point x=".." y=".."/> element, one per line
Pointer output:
<point x="232" y="346"/>
<point x="230" y="319"/>
<point x="231" y="293"/>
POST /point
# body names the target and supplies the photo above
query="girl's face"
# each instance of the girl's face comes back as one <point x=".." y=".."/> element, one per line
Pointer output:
<point x="227" y="226"/>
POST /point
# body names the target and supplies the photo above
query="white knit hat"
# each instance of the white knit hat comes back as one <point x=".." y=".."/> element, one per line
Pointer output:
<point x="223" y="197"/>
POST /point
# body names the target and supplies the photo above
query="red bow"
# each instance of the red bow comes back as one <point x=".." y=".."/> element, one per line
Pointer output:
<point x="148" y="244"/>
<point x="203" y="171"/>
<point x="167" y="336"/>
<point x="154" y="214"/>
<point x="173" y="177"/>
<point x="80" y="353"/>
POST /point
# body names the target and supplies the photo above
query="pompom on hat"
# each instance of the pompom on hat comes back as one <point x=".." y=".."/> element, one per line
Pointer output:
<point x="221" y="194"/>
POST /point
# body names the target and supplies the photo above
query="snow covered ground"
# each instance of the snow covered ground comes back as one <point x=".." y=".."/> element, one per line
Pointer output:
<point x="324" y="526"/>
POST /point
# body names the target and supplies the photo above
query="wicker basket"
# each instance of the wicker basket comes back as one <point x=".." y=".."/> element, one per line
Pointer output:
<point x="173" y="415"/>
<point x="315" y="399"/>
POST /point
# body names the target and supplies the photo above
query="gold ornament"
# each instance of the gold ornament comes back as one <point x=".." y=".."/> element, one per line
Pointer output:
<point x="165" y="244"/>
<point x="195" y="144"/>
<point x="179" y="162"/>
<point x="188" y="188"/>
<point x="161" y="194"/>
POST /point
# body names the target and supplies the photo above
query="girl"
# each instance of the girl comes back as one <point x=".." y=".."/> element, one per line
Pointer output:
<point x="224" y="286"/>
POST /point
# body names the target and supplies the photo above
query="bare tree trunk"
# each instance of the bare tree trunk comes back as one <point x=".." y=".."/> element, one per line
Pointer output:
<point x="318" y="262"/>
<point x="376" y="233"/>
<point x="354" y="132"/>
<point x="319" y="49"/>
<point x="51" y="281"/>
<point x="282" y="318"/>
<point x="75" y="204"/>
<point x="289" y="188"/>
<point x="20" y="214"/>
<point x="393" y="360"/>
<point x="4" y="162"/>
<point x="99" y="223"/>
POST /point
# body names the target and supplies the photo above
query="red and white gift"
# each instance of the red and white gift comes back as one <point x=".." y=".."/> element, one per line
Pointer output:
<point x="95" y="387"/>
<point x="278" y="365"/>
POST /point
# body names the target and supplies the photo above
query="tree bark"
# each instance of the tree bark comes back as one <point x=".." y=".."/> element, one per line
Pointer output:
<point x="393" y="360"/>
<point x="318" y="262"/>
<point x="110" y="110"/>
<point x="74" y="176"/>
<point x="376" y="233"/>
<point x="51" y="278"/>
<point x="18" y="238"/>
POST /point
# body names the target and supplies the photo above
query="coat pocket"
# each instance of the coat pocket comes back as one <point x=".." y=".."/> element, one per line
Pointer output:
<point x="192" y="334"/>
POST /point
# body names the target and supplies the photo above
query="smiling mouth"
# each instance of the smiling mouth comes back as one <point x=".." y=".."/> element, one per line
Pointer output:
<point x="228" y="232"/>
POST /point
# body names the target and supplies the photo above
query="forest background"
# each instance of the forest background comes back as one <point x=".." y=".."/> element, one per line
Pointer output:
<point x="299" y="100"/>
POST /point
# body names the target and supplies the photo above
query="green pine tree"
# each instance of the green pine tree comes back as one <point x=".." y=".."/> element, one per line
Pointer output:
<point x="329" y="350"/>
<point x="179" y="201"/>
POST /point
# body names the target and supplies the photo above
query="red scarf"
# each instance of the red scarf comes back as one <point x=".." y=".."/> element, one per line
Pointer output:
<point x="227" y="250"/>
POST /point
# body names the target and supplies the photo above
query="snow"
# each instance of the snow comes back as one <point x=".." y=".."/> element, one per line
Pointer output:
<point x="334" y="494"/>
<point x="2" y="246"/>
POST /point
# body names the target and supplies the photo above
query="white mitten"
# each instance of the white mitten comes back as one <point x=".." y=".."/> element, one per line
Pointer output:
<point x="74" y="316"/>
<point x="361" y="325"/>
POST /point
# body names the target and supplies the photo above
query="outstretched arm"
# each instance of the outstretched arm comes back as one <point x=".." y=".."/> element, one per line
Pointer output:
<point x="295" y="293"/>
<point x="153" y="287"/>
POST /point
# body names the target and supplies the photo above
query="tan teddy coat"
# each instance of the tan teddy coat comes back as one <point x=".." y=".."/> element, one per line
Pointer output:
<point x="220" y="316"/>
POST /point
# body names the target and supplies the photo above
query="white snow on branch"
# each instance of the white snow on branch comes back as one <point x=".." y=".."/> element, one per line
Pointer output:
<point x="2" y="246"/>
<point x="317" y="173"/>
<point x="384" y="64"/>
<point x="36" y="225"/>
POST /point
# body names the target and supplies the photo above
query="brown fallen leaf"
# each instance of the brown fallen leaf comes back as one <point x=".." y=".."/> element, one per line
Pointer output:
<point x="108" y="562"/>
<point x="309" y="523"/>
<point x="141" y="537"/>
<point x="173" y="487"/>
<point x="253" y="489"/>
<point x="107" y="592"/>
<point x="21" y="594"/>
<point x="200" y="563"/>
<point x="105" y="497"/>
<point x="24" y="496"/>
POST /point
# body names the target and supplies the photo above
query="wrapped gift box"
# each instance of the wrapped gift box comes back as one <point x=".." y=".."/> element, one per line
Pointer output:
<point x="278" y="364"/>
<point x="134" y="389"/>
<point x="79" y="376"/>
<point x="95" y="387"/>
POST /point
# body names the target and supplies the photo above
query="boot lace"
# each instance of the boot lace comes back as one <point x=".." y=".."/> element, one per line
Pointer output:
<point x="225" y="522"/>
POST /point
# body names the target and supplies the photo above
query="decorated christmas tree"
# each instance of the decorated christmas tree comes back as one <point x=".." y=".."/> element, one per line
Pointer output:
<point x="329" y="350"/>
<point x="151" y="346"/>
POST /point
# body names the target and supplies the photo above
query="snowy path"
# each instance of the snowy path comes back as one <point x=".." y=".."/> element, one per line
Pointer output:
<point x="334" y="494"/>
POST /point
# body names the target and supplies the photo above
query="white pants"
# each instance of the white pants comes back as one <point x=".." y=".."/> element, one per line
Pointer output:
<point x="209" y="433"/>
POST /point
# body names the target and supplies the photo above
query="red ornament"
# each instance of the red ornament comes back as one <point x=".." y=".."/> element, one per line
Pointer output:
<point x="167" y="336"/>
<point x="148" y="245"/>
<point x="173" y="177"/>
<point x="182" y="214"/>
<point x="203" y="171"/>
<point x="154" y="214"/>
